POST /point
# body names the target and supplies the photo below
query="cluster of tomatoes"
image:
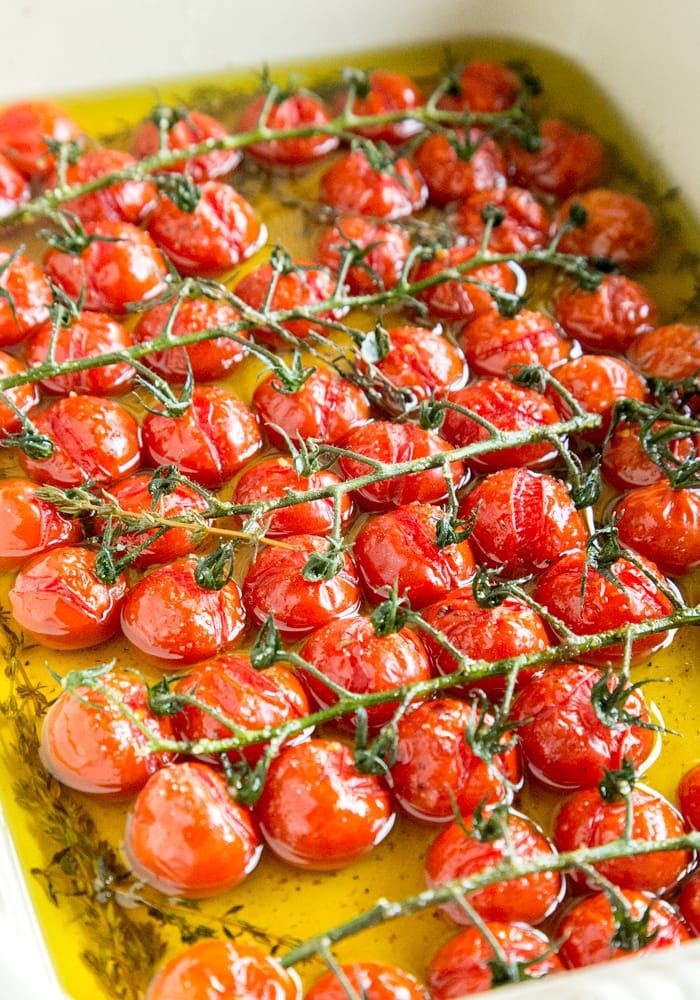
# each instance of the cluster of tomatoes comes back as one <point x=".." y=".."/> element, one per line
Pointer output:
<point x="117" y="254"/>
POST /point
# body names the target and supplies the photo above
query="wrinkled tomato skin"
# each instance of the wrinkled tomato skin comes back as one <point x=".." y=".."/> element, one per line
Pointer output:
<point x="196" y="127"/>
<point x="609" y="318"/>
<point x="461" y="301"/>
<point x="419" y="362"/>
<point x="689" y="796"/>
<point x="597" y="382"/>
<point x="456" y="855"/>
<point x="94" y="439"/>
<point x="435" y="767"/>
<point x="399" y="548"/>
<point x="186" y="836"/>
<point x="563" y="741"/>
<point x="88" y="744"/>
<point x="30" y="295"/>
<point x="488" y="86"/>
<point x="586" y="931"/>
<point x="387" y="93"/>
<point x="317" y="811"/>
<point x="689" y="905"/>
<point x="626" y="466"/>
<point x="130" y="201"/>
<point x="24" y="397"/>
<point x="353" y="185"/>
<point x="24" y="127"/>
<point x="30" y="526"/>
<point x="587" y="820"/>
<point x="386" y="249"/>
<point x="209" y="443"/>
<point x="618" y="226"/>
<point x="450" y="178"/>
<point x="525" y="227"/>
<point x="493" y="344"/>
<point x="57" y="598"/>
<point x="662" y="524"/>
<point x="173" y="621"/>
<point x="274" y="585"/>
<point x="569" y="160"/>
<point x="671" y="351"/>
<point x="296" y="111"/>
<point x="14" y="189"/>
<point x="240" y="969"/>
<point x="373" y="980"/>
<point x="352" y="655"/>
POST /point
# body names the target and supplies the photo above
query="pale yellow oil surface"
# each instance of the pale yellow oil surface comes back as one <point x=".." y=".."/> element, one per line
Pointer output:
<point x="285" y="903"/>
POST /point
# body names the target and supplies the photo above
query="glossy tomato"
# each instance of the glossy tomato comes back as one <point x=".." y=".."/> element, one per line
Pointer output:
<point x="626" y="465"/>
<point x="486" y="85"/>
<point x="493" y="344"/>
<point x="128" y="201"/>
<point x="381" y="92"/>
<point x="296" y="111"/>
<point x="451" y="175"/>
<point x="24" y="304"/>
<point x="662" y="524"/>
<point x="377" y="252"/>
<point x="23" y="397"/>
<point x="356" y="185"/>
<point x="597" y="382"/>
<point x="30" y="526"/>
<point x="568" y="160"/>
<point x="373" y="980"/>
<point x="419" y="363"/>
<point x="608" y="318"/>
<point x="618" y="226"/>
<point x="525" y="226"/>
<point x="671" y="351"/>
<point x="689" y="796"/>
<point x="14" y="189"/>
<point x="175" y="131"/>
<point x="689" y="904"/>
<point x="24" y="128"/>
<point x="458" y="301"/>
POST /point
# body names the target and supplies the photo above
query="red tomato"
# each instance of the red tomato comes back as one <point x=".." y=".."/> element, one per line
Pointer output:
<point x="487" y="86"/>
<point x="325" y="408"/>
<point x="91" y="334"/>
<point x="588" y="820"/>
<point x="436" y="769"/>
<point x="597" y="382"/>
<point x="523" y="520"/>
<point x="187" y="836"/>
<point x="587" y="930"/>
<point x="249" y="698"/>
<point x="626" y="465"/>
<point x="274" y="585"/>
<point x="372" y="980"/>
<point x="455" y="854"/>
<point x="23" y="397"/>
<point x="237" y="968"/>
<point x="689" y="905"/>
<point x="568" y="160"/>
<point x="493" y="344"/>
<point x="88" y="743"/>
<point x="271" y="479"/>
<point x="24" y="128"/>
<point x="662" y="524"/>
<point x="618" y="226"/>
<point x="129" y="201"/>
<point x="14" y="189"/>
<point x="399" y="548"/>
<point x="30" y="526"/>
<point x="210" y="442"/>
<point x="350" y="653"/>
<point x="450" y="176"/>
<point x="209" y="359"/>
<point x="525" y="227"/>
<point x="352" y="184"/>
<point x="609" y="318"/>
<point x="120" y="265"/>
<point x="317" y="811"/>
<point x="563" y="741"/>
<point x="171" y="620"/>
<point x="689" y="796"/>
<point x="604" y="605"/>
<point x="297" y="111"/>
<point x="29" y="297"/>
<point x="509" y="408"/>
<point x="382" y="441"/>
<point x="420" y="362"/>
<point x="57" y="599"/>
<point x="222" y="231"/>
<point x="465" y="963"/>
<point x="671" y="351"/>
<point x="384" y="250"/>
<point x="188" y="129"/>
<point x="461" y="300"/>
<point x="94" y="439"/>
<point x="385" y="92"/>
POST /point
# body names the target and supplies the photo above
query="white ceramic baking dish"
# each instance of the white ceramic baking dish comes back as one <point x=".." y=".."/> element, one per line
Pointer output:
<point x="644" y="54"/>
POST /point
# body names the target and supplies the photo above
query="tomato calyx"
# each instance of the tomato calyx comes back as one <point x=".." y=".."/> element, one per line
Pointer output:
<point x="609" y="696"/>
<point x="617" y="785"/>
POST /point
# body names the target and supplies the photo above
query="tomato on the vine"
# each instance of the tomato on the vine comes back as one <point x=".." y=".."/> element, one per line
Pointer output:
<point x="525" y="225"/>
<point x="597" y="382"/>
<point x="671" y="351"/>
<point x="287" y="112"/>
<point x="24" y="128"/>
<point x="617" y="225"/>
<point x="357" y="185"/>
<point x="378" y="250"/>
<point x="567" y="160"/>
<point x="26" y="297"/>
<point x="372" y="980"/>
<point x="184" y="130"/>
<point x="126" y="201"/>
<point x="452" y="176"/>
<point x="460" y="300"/>
<point x="626" y="465"/>
<point x="493" y="344"/>
<point x="662" y="524"/>
<point x="23" y="397"/>
<point x="30" y="526"/>
<point x="381" y="92"/>
<point x="486" y="85"/>
<point x="418" y="362"/>
<point x="14" y="189"/>
<point x="607" y="318"/>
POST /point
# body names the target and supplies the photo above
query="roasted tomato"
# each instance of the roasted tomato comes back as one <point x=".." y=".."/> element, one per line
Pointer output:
<point x="295" y="111"/>
<point x="175" y="129"/>
<point x="458" y="301"/>
<point x="23" y="397"/>
<point x="30" y="526"/>
<point x="689" y="904"/>
<point x="525" y="226"/>
<point x="127" y="201"/>
<point x="377" y="250"/>
<point x="617" y="225"/>
<point x="625" y="463"/>
<point x="597" y="382"/>
<point x="14" y="189"/>
<point x="26" y="297"/>
<point x="454" y="169"/>
<point x="354" y="184"/>
<point x="689" y="796"/>
<point x="382" y="92"/>
<point x="493" y="344"/>
<point x="662" y="524"/>
<point x="418" y="363"/>
<point x="671" y="351"/>
<point x="568" y="160"/>
<point x="24" y="128"/>
<point x="609" y="318"/>
<point x="485" y="85"/>
<point x="373" y="980"/>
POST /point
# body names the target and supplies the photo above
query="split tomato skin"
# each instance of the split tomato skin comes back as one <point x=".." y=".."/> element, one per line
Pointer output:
<point x="354" y="185"/>
<point x="597" y="382"/>
<point x="569" y="160"/>
<point x="128" y="201"/>
<point x="194" y="128"/>
<point x="373" y="980"/>
<point x="525" y="227"/>
<point x="30" y="294"/>
<point x="296" y="111"/>
<point x="419" y="363"/>
<point x="671" y="351"/>
<point x="24" y="128"/>
<point x="450" y="177"/>
<point x="663" y="525"/>
<point x="493" y="344"/>
<point x="618" y="226"/>
<point x="386" y="247"/>
<point x="461" y="300"/>
<point x="609" y="318"/>
<point x="31" y="526"/>
<point x="385" y="92"/>
<point x="625" y="465"/>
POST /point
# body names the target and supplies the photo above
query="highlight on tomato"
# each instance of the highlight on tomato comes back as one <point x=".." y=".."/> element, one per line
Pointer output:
<point x="418" y="362"/>
<point x="177" y="129"/>
<point x="452" y="176"/>
<point x="31" y="526"/>
<point x="608" y="318"/>
<point x="378" y="252"/>
<point x="493" y="344"/>
<point x="386" y="190"/>
<point x="670" y="351"/>
<point x="24" y="304"/>
<point x="617" y="225"/>
<point x="23" y="397"/>
<point x="662" y="524"/>
<point x="373" y="980"/>
<point x="24" y="128"/>
<point x="127" y="201"/>
<point x="568" y="159"/>
<point x="381" y="92"/>
<point x="14" y="189"/>
<point x="597" y="382"/>
<point x="286" y="112"/>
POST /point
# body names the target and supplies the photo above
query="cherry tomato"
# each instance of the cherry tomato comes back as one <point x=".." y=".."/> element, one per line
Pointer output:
<point x="350" y="654"/>
<point x="597" y="382"/>
<point x="586" y="932"/>
<point x="602" y="604"/>
<point x="689" y="905"/>
<point x="671" y="351"/>
<point x="272" y="478"/>
<point x="209" y="359"/>
<point x="295" y="111"/>
<point x="419" y="363"/>
<point x="354" y="184"/>
<point x="450" y="175"/>
<point x="128" y="201"/>
<point x="382" y="441"/>
<point x="210" y="442"/>
<point x="461" y="300"/>
<point x="625" y="464"/>
<point x="30" y="526"/>
<point x="459" y="853"/>
<point x="317" y="811"/>
<point x="274" y="585"/>
<point x="522" y="521"/>
<point x="493" y="344"/>
<point x="24" y="128"/>
<point x="435" y="768"/>
<point x="23" y="397"/>
<point x="326" y="408"/>
<point x="568" y="160"/>
<point x="609" y="318"/>
<point x="183" y="130"/>
<point x="588" y="820"/>
<point x="689" y="796"/>
<point x="618" y="226"/>
<point x="487" y="86"/>
<point x="525" y="227"/>
<point x="90" y="334"/>
<point x="380" y="251"/>
<point x="14" y="189"/>
<point x="58" y="599"/>
<point x="25" y="299"/>
<point x="119" y="265"/>
<point x="662" y="524"/>
<point x="509" y="408"/>
<point x="187" y="836"/>
<point x="172" y="620"/>
<point x="465" y="963"/>
<point x="250" y="698"/>
<point x="564" y="742"/>
<point x="94" y="439"/>
<point x="381" y="92"/>
<point x="373" y="980"/>
<point x="400" y="548"/>
<point x="88" y="743"/>
<point x="234" y="967"/>
<point x="222" y="231"/>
